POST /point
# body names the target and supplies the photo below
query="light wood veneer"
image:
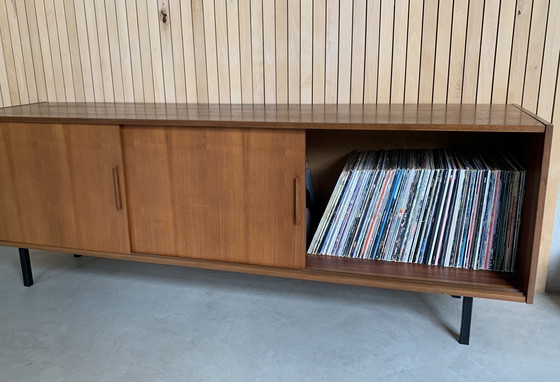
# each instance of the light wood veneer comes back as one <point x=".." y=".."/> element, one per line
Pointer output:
<point x="217" y="194"/>
<point x="59" y="186"/>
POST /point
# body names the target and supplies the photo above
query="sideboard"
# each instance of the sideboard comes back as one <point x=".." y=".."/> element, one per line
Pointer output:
<point x="223" y="187"/>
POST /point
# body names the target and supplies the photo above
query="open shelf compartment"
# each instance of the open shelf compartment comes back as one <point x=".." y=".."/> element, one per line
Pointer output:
<point x="327" y="151"/>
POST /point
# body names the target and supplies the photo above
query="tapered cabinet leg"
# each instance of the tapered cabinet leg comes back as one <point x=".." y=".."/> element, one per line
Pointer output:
<point x="466" y="317"/>
<point x="25" y="267"/>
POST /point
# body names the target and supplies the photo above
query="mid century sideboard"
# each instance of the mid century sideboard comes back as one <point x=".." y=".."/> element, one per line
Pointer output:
<point x="223" y="187"/>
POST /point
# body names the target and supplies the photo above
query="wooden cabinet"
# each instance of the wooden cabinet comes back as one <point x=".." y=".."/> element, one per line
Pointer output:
<point x="223" y="187"/>
<point x="59" y="186"/>
<point x="234" y="195"/>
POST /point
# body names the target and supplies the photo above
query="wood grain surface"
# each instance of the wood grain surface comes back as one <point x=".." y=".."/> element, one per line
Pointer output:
<point x="506" y="118"/>
<point x="57" y="186"/>
<point x="217" y="194"/>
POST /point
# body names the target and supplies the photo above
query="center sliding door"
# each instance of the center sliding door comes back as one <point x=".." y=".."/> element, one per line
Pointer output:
<point x="233" y="195"/>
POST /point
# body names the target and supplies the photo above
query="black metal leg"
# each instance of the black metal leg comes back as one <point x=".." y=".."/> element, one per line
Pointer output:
<point x="466" y="316"/>
<point x="25" y="267"/>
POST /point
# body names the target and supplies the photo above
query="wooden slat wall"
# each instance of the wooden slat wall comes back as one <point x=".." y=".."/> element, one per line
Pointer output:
<point x="285" y="51"/>
<point x="281" y="51"/>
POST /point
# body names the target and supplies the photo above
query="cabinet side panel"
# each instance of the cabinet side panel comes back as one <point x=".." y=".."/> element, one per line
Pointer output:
<point x="216" y="194"/>
<point x="57" y="186"/>
<point x="538" y="163"/>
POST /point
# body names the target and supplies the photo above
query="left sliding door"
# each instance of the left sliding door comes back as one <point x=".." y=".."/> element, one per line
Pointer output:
<point x="61" y="185"/>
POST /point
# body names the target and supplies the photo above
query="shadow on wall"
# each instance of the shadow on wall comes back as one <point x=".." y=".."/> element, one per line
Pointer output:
<point x="553" y="279"/>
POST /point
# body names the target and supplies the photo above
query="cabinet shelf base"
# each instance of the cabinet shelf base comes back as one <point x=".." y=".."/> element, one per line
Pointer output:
<point x="442" y="280"/>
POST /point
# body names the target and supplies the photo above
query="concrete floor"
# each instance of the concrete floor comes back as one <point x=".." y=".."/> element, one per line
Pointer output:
<point x="89" y="319"/>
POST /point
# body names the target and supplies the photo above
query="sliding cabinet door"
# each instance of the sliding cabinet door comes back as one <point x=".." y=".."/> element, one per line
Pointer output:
<point x="60" y="186"/>
<point x="232" y="195"/>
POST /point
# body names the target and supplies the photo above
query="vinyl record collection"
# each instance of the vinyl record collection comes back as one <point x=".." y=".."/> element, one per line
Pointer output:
<point x="435" y="207"/>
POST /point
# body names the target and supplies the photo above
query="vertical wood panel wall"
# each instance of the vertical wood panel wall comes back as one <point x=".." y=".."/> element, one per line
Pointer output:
<point x="286" y="51"/>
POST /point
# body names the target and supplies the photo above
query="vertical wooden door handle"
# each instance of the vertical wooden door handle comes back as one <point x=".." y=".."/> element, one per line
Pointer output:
<point x="116" y="185"/>
<point x="297" y="192"/>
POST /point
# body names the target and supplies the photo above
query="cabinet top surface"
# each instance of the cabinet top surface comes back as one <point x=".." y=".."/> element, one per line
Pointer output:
<point x="507" y="118"/>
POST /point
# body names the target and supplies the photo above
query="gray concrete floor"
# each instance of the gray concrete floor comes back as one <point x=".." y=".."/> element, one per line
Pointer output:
<point x="89" y="319"/>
